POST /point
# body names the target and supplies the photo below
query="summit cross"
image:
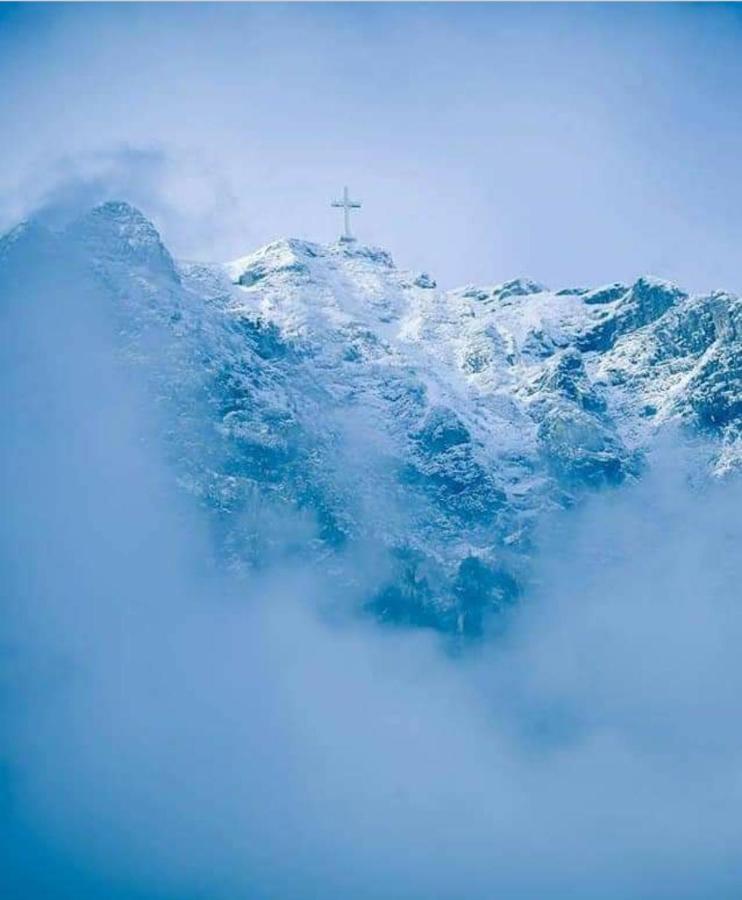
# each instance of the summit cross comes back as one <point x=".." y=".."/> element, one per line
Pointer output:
<point x="346" y="204"/>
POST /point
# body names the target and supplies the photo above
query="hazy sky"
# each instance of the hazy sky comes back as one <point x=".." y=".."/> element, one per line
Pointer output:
<point x="572" y="144"/>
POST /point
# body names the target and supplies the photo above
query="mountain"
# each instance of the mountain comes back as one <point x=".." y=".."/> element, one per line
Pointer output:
<point x="420" y="433"/>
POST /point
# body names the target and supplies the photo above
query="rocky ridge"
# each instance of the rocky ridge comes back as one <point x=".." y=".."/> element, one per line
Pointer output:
<point x="323" y="385"/>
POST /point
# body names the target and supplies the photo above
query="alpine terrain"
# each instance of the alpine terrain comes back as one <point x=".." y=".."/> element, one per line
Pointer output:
<point x="419" y="432"/>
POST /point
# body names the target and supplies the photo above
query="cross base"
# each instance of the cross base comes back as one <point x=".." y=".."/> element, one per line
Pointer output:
<point x="346" y="239"/>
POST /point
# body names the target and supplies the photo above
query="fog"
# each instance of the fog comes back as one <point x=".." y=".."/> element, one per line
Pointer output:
<point x="174" y="731"/>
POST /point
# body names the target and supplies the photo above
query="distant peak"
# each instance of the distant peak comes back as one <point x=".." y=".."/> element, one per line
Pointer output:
<point x="117" y="231"/>
<point x="518" y="287"/>
<point x="607" y="293"/>
<point x="653" y="293"/>
<point x="651" y="282"/>
<point x="121" y="218"/>
<point x="118" y="208"/>
<point x="121" y="212"/>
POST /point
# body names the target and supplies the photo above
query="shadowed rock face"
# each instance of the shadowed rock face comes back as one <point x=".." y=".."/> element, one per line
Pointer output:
<point x="565" y="377"/>
<point x="607" y="294"/>
<point x="431" y="429"/>
<point x="519" y="287"/>
<point x="647" y="300"/>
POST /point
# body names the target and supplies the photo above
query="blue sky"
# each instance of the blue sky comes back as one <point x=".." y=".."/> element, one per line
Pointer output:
<point x="571" y="144"/>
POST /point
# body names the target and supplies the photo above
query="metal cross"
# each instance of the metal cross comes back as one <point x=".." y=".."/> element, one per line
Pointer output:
<point x="347" y="204"/>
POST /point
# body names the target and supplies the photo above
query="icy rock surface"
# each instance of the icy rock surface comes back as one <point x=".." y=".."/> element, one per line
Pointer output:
<point x="390" y="420"/>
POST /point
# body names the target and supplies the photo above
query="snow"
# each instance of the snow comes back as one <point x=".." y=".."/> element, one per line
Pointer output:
<point x="438" y="424"/>
<point x="483" y="350"/>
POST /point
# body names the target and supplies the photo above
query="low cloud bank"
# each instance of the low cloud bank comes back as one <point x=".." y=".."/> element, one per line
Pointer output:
<point x="173" y="733"/>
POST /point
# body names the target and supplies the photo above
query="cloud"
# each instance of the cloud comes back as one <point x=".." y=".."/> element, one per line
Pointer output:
<point x="190" y="199"/>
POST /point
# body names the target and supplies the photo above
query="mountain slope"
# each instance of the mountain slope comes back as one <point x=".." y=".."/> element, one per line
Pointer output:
<point x="428" y="430"/>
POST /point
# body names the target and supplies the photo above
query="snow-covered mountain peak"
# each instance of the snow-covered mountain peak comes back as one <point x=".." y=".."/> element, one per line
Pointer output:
<point x="117" y="233"/>
<point x="437" y="425"/>
<point x="122" y="219"/>
<point x="484" y="348"/>
<point x="294" y="255"/>
<point x="518" y="287"/>
<point x="314" y="290"/>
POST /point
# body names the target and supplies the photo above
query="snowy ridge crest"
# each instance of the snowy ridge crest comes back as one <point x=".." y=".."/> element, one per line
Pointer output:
<point x="439" y="426"/>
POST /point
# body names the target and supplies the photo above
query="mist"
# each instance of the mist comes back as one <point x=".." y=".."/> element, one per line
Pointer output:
<point x="175" y="730"/>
